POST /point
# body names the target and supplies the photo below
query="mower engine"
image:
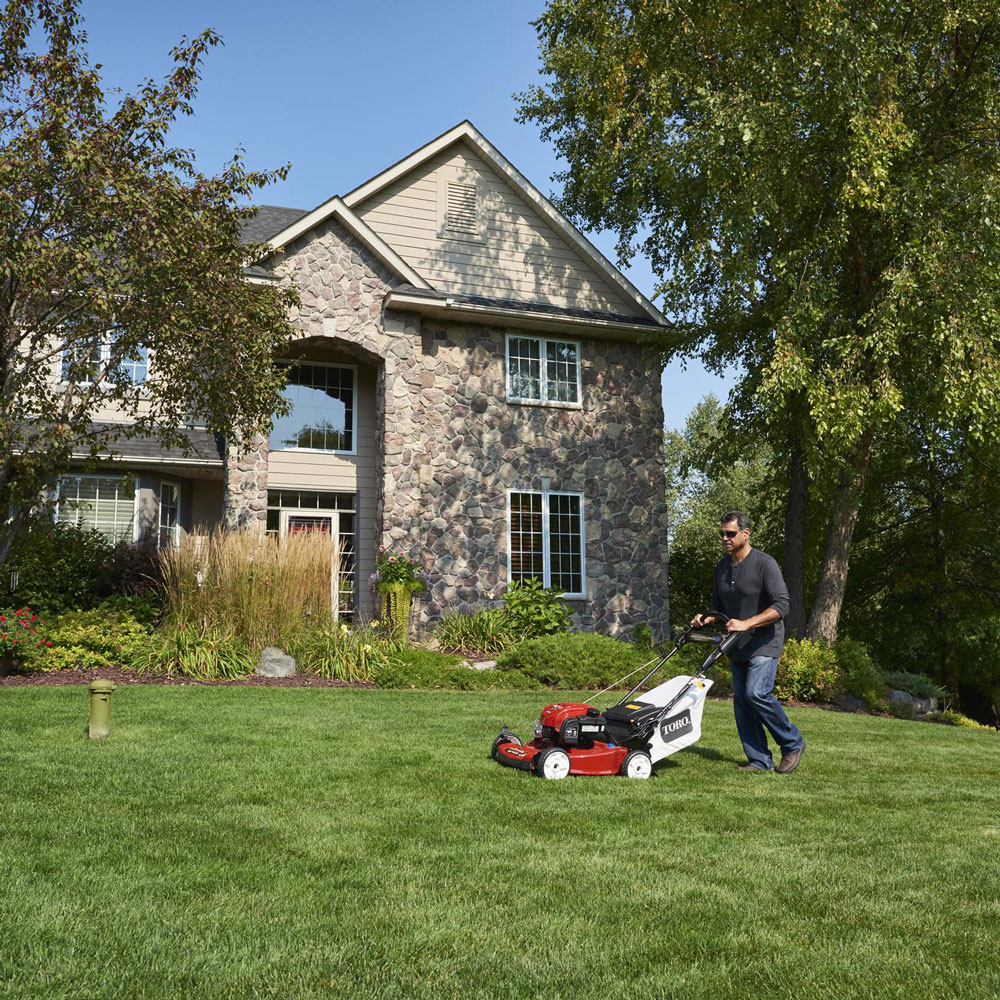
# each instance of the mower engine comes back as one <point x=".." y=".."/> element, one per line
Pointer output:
<point x="571" y="724"/>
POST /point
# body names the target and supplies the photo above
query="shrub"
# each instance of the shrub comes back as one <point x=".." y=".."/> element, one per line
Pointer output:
<point x="918" y="685"/>
<point x="258" y="590"/>
<point x="642" y="636"/>
<point x="488" y="633"/>
<point x="133" y="570"/>
<point x="343" y="653"/>
<point x="184" y="653"/>
<point x="722" y="680"/>
<point x="899" y="709"/>
<point x="536" y="610"/>
<point x="573" y="660"/>
<point x="87" y="640"/>
<point x="59" y="567"/>
<point x="23" y="635"/>
<point x="807" y="671"/>
<point x="950" y="718"/>
<point x="859" y="676"/>
<point x="426" y="670"/>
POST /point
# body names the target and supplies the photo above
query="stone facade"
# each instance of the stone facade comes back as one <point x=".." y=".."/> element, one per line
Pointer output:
<point x="244" y="482"/>
<point x="452" y="446"/>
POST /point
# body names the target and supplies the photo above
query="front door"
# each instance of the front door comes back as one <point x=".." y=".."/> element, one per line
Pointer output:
<point x="295" y="522"/>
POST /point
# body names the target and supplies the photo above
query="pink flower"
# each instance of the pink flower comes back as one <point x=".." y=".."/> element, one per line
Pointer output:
<point x="381" y="548"/>
<point x="392" y="558"/>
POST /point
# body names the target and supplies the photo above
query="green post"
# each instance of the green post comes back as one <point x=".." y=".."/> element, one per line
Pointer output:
<point x="100" y="708"/>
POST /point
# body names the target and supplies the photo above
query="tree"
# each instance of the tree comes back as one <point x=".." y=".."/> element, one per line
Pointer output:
<point x="116" y="250"/>
<point x="815" y="184"/>
<point x="703" y="482"/>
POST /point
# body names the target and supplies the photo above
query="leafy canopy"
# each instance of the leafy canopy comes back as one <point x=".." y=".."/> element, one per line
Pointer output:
<point x="115" y="250"/>
<point x="814" y="182"/>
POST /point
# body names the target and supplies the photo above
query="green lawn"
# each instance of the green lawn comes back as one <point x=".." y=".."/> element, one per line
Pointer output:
<point x="249" y="842"/>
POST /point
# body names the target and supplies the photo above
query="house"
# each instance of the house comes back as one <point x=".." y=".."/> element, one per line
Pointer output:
<point x="469" y="386"/>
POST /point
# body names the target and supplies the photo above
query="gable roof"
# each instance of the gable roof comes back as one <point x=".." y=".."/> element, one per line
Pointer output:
<point x="295" y="222"/>
<point x="467" y="134"/>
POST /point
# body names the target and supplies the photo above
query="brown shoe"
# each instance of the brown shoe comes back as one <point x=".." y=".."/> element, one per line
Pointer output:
<point x="790" y="761"/>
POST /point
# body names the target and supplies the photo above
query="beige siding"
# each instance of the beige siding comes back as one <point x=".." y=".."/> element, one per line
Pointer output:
<point x="206" y="505"/>
<point x="519" y="256"/>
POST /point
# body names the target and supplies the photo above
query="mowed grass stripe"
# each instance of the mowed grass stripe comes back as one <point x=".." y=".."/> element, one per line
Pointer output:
<point x="240" y="842"/>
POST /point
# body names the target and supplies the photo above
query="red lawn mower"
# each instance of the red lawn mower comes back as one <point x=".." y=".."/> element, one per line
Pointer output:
<point x="628" y="738"/>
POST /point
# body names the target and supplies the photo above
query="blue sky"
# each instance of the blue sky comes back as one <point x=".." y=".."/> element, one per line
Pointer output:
<point x="342" y="90"/>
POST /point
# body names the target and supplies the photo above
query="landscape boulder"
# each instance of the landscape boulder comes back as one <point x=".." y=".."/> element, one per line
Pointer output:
<point x="275" y="662"/>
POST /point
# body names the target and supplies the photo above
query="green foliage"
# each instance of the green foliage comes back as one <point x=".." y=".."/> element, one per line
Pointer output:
<point x="642" y="637"/>
<point x="426" y="670"/>
<point x="23" y="635"/>
<point x="60" y="567"/>
<point x="826" y="224"/>
<point x="952" y="718"/>
<point x="857" y="673"/>
<point x="482" y="633"/>
<point x="701" y="485"/>
<point x="807" y="671"/>
<point x="100" y="637"/>
<point x="343" y="653"/>
<point x="105" y="226"/>
<point x="900" y="710"/>
<point x="181" y="652"/>
<point x="397" y="569"/>
<point x="573" y="660"/>
<point x="535" y="610"/>
<point x="919" y="685"/>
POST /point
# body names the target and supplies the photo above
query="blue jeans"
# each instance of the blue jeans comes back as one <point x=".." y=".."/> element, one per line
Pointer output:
<point x="756" y="707"/>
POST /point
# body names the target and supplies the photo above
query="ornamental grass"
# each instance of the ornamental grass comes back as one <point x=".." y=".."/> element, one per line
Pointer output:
<point x="257" y="590"/>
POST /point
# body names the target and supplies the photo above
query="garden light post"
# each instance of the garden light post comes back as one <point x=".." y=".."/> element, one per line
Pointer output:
<point x="100" y="708"/>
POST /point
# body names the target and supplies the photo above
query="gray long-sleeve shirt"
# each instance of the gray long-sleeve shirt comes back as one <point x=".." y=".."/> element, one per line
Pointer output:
<point x="746" y="589"/>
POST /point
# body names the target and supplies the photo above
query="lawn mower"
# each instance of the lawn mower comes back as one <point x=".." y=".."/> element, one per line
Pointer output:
<point x="628" y="738"/>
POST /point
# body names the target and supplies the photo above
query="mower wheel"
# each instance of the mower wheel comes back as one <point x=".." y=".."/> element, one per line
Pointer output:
<point x="552" y="764"/>
<point x="505" y="738"/>
<point x="636" y="765"/>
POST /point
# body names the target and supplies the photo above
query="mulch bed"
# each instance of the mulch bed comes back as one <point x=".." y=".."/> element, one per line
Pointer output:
<point x="58" y="678"/>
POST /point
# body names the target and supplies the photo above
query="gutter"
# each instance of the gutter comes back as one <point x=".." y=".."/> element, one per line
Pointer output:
<point x="525" y="319"/>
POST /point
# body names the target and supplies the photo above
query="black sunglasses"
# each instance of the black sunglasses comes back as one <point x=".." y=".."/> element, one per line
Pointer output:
<point x="728" y="534"/>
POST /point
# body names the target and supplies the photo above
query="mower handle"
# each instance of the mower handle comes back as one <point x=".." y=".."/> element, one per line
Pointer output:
<point x="691" y="632"/>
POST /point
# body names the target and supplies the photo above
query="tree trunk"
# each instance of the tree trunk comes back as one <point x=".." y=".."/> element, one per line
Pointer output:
<point x="837" y="545"/>
<point x="795" y="533"/>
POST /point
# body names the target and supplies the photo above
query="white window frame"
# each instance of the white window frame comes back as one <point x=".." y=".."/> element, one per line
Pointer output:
<point x="103" y="359"/>
<point x="543" y="382"/>
<point x="546" y="542"/>
<point x="354" y="419"/>
<point x="176" y="540"/>
<point x="98" y="475"/>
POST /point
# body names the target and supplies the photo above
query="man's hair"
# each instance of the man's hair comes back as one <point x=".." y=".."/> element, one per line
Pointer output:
<point x="742" y="520"/>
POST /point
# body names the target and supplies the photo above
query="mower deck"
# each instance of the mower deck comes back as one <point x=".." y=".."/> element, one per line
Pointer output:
<point x="599" y="759"/>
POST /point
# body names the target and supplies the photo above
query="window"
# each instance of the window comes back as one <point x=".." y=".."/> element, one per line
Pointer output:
<point x="102" y="503"/>
<point x="292" y="511"/>
<point x="169" y="535"/>
<point x="323" y="415"/>
<point x="83" y="362"/>
<point x="545" y="539"/>
<point x="543" y="371"/>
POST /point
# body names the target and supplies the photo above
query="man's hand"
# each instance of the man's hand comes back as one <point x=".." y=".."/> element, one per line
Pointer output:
<point x="699" y="620"/>
<point x="738" y="625"/>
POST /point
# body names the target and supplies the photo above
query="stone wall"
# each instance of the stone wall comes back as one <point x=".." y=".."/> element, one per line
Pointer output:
<point x="244" y="482"/>
<point x="453" y="446"/>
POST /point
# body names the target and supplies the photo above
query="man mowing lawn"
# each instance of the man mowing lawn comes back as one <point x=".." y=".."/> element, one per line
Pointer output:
<point x="750" y="589"/>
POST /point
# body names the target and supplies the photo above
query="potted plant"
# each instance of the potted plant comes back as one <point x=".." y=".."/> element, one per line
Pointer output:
<point x="396" y="579"/>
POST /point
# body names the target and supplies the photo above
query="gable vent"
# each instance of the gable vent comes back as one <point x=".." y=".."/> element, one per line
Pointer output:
<point x="463" y="209"/>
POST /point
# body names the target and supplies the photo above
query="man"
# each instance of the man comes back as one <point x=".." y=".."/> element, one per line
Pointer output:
<point x="750" y="589"/>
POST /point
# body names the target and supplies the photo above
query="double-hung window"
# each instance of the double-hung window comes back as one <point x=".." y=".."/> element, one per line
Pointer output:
<point x="545" y="539"/>
<point x="540" y="370"/>
<point x="323" y="413"/>
<point x="100" y="503"/>
<point x="85" y="361"/>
